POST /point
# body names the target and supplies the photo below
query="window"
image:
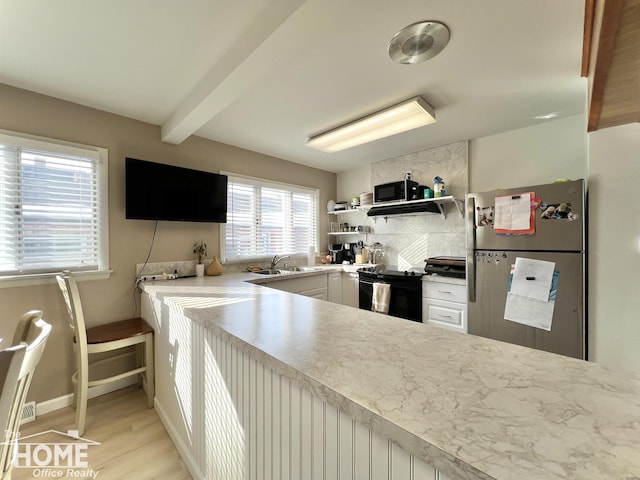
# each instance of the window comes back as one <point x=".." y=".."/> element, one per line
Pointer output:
<point x="267" y="218"/>
<point x="53" y="212"/>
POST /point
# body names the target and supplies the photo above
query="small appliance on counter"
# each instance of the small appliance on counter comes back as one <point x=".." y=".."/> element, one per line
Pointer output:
<point x="336" y="250"/>
<point x="348" y="253"/>
<point x="446" y="266"/>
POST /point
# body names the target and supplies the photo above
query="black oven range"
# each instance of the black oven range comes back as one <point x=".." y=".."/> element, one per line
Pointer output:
<point x="405" y="290"/>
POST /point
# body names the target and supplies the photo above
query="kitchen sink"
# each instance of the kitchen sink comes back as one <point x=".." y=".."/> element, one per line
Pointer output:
<point x="295" y="268"/>
<point x="269" y="271"/>
<point x="284" y="270"/>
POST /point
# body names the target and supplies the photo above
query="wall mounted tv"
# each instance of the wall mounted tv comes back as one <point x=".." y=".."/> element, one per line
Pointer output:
<point x="155" y="191"/>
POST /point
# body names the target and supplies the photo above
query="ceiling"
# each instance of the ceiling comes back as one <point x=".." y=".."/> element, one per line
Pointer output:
<point x="265" y="75"/>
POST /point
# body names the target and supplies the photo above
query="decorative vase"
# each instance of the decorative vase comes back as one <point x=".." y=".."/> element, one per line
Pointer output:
<point x="214" y="268"/>
<point x="200" y="270"/>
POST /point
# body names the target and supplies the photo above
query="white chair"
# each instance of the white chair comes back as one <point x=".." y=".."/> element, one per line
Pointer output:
<point x="104" y="338"/>
<point x="17" y="364"/>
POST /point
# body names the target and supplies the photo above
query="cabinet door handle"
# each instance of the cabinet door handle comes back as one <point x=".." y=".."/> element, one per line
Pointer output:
<point x="444" y="291"/>
<point x="446" y="316"/>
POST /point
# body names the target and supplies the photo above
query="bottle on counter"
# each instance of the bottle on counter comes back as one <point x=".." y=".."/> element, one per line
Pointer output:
<point x="438" y="187"/>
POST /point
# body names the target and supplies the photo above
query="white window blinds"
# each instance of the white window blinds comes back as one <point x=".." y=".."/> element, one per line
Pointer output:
<point x="267" y="218"/>
<point x="49" y="207"/>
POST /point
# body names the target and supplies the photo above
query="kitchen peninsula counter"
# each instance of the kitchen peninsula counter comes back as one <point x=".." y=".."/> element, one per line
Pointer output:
<point x="470" y="407"/>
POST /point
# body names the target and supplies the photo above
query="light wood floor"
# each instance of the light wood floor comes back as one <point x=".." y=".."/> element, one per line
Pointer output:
<point x="133" y="442"/>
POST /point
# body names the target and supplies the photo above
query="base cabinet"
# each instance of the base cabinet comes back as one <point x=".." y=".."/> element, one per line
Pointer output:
<point x="312" y="286"/>
<point x="350" y="289"/>
<point x="232" y="417"/>
<point x="334" y="287"/>
<point x="444" y="305"/>
<point x="319" y="293"/>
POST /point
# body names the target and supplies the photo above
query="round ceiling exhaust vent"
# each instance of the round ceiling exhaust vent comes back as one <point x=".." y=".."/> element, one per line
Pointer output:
<point x="418" y="42"/>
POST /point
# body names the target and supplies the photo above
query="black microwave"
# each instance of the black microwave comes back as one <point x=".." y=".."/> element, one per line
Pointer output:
<point x="395" y="191"/>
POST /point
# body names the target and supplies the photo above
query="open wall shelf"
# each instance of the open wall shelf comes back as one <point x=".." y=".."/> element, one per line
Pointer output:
<point x="428" y="206"/>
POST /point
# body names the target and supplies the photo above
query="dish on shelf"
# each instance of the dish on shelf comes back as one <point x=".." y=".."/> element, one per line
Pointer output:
<point x="366" y="198"/>
<point x="331" y="206"/>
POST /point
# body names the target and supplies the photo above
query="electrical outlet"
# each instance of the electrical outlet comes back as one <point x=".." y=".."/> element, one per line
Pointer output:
<point x="158" y="276"/>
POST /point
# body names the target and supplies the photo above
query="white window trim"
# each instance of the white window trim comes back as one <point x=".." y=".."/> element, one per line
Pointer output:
<point x="50" y="144"/>
<point x="268" y="184"/>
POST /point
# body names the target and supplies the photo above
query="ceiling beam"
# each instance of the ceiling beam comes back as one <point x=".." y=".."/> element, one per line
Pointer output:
<point x="230" y="76"/>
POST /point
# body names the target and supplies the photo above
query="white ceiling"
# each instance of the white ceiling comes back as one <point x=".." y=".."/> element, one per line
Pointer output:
<point x="266" y="74"/>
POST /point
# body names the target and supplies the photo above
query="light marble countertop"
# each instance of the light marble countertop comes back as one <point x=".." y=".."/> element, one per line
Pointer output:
<point x="469" y="406"/>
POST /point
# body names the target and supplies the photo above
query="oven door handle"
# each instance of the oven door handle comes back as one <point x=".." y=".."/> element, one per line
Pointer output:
<point x="371" y="282"/>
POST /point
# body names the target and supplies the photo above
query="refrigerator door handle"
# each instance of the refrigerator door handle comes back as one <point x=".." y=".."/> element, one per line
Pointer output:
<point x="471" y="247"/>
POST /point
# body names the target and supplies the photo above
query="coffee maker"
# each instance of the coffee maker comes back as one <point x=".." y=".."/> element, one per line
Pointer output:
<point x="337" y="252"/>
<point x="341" y="252"/>
<point x="349" y="254"/>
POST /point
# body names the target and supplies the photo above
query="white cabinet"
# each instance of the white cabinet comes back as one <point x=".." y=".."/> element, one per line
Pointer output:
<point x="334" y="287"/>
<point x="350" y="289"/>
<point x="319" y="293"/>
<point x="444" y="304"/>
<point x="312" y="286"/>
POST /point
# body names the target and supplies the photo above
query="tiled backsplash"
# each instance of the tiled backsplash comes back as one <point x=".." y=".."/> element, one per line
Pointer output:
<point x="410" y="240"/>
<point x="185" y="268"/>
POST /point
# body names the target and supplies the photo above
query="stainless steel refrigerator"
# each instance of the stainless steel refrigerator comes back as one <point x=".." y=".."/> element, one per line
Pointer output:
<point x="498" y="235"/>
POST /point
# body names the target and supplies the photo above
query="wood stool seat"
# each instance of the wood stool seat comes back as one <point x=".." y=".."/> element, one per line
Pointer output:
<point x="118" y="330"/>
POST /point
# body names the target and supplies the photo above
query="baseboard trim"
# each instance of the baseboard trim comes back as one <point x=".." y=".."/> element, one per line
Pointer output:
<point x="182" y="449"/>
<point x="65" y="400"/>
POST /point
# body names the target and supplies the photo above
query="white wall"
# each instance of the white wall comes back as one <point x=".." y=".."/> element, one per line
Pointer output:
<point x="354" y="182"/>
<point x="614" y="247"/>
<point x="529" y="156"/>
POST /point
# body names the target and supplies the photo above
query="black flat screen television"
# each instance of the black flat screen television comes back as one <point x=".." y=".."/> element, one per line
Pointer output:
<point x="155" y="191"/>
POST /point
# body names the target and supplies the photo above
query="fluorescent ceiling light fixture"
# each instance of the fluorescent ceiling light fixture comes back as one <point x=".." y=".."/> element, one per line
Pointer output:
<point x="410" y="114"/>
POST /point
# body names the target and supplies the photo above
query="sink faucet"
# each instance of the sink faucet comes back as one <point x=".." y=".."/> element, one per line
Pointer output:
<point x="276" y="259"/>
